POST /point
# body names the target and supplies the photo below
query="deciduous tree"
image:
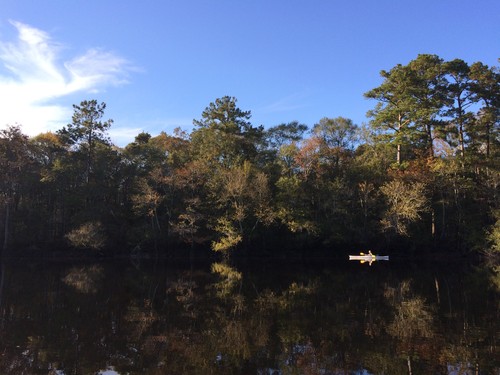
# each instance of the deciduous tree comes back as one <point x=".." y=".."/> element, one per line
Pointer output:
<point x="405" y="203"/>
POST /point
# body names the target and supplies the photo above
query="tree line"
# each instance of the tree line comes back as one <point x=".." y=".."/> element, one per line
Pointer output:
<point x="423" y="174"/>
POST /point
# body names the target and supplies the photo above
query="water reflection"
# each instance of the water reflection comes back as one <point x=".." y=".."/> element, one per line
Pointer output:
<point x="412" y="325"/>
<point x="263" y="319"/>
<point x="85" y="279"/>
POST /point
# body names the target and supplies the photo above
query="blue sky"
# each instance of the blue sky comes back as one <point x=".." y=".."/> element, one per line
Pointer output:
<point x="158" y="64"/>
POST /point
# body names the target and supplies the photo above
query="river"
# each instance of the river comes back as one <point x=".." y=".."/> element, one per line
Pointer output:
<point x="266" y="318"/>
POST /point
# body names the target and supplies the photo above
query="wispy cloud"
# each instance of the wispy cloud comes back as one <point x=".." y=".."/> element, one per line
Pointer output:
<point x="33" y="76"/>
<point x="285" y="104"/>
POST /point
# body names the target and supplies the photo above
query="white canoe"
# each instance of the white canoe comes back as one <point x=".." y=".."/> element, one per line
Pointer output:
<point x="369" y="258"/>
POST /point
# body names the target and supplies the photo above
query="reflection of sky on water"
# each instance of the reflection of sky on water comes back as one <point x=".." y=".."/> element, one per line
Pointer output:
<point x="109" y="371"/>
<point x="269" y="371"/>
<point x="460" y="369"/>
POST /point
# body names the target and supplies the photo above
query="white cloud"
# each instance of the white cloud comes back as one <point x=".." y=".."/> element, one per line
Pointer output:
<point x="124" y="135"/>
<point x="33" y="76"/>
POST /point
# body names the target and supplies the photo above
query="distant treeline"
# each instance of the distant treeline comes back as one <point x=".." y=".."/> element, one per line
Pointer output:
<point x="423" y="174"/>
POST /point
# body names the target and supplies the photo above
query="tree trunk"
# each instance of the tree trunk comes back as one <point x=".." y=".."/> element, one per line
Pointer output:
<point x="2" y="280"/>
<point x="400" y="126"/>
<point x="436" y="283"/>
<point x="89" y="156"/>
<point x="430" y="140"/>
<point x="487" y="141"/>
<point x="461" y="140"/>
<point x="408" y="360"/>
<point x="461" y="137"/>
<point x="433" y="223"/>
<point x="6" y="226"/>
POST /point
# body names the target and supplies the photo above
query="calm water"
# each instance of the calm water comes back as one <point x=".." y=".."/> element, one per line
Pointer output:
<point x="272" y="318"/>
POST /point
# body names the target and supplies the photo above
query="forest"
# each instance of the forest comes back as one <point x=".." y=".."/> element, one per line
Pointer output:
<point x="421" y="176"/>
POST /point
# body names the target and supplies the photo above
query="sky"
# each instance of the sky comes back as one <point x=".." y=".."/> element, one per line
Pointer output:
<point x="157" y="64"/>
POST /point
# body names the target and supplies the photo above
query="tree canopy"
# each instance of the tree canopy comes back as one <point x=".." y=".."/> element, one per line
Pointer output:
<point x="423" y="173"/>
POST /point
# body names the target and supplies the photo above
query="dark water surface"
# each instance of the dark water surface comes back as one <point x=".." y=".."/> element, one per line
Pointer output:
<point x="269" y="318"/>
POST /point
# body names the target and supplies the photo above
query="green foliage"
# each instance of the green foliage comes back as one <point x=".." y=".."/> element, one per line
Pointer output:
<point x="284" y="134"/>
<point x="15" y="159"/>
<point x="293" y="205"/>
<point x="336" y="133"/>
<point x="224" y="134"/>
<point x="424" y="169"/>
<point x="394" y="108"/>
<point x="86" y="131"/>
<point x="16" y="170"/>
<point x="86" y="127"/>
<point x="494" y="234"/>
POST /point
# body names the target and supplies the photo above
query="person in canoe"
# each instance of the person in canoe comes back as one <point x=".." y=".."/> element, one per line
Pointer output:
<point x="369" y="254"/>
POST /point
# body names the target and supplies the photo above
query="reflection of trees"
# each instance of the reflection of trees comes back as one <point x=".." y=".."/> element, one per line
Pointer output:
<point x="48" y="327"/>
<point x="471" y="343"/>
<point x="412" y="324"/>
<point x="84" y="279"/>
<point x="229" y="279"/>
<point x="223" y="320"/>
<point x="413" y="317"/>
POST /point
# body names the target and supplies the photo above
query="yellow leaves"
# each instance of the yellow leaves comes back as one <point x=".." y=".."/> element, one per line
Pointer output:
<point x="406" y="201"/>
<point x="89" y="235"/>
<point x="229" y="279"/>
<point x="47" y="140"/>
<point x="226" y="243"/>
<point x="230" y="236"/>
<point x="243" y="194"/>
<point x="241" y="185"/>
<point x="226" y="271"/>
<point x="412" y="319"/>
